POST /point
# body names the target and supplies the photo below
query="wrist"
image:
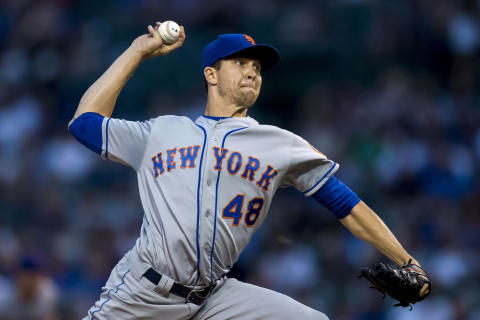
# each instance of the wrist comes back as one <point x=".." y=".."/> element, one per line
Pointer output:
<point x="413" y="261"/>
<point x="403" y="261"/>
<point x="134" y="54"/>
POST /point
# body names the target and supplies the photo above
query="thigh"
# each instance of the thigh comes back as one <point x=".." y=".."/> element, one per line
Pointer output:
<point x="124" y="297"/>
<point x="237" y="300"/>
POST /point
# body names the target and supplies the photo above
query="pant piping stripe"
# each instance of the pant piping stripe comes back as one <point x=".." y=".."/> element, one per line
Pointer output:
<point x="108" y="299"/>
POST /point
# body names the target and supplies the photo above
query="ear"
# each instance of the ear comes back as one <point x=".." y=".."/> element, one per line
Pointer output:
<point x="210" y="75"/>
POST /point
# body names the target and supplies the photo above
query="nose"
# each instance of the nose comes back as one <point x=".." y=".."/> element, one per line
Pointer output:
<point x="250" y="72"/>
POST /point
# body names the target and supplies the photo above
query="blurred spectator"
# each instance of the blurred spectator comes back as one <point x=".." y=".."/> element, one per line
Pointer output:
<point x="34" y="296"/>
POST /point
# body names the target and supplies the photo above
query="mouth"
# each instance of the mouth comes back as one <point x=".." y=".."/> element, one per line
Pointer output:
<point x="248" y="87"/>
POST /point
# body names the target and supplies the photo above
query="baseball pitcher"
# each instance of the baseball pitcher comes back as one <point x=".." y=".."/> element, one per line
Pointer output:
<point x="206" y="187"/>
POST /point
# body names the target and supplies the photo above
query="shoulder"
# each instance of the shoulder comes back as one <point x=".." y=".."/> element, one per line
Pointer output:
<point x="170" y="120"/>
<point x="272" y="129"/>
<point x="280" y="134"/>
<point x="283" y="136"/>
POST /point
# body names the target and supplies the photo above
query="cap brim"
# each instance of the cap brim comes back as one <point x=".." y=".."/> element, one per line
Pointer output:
<point x="267" y="55"/>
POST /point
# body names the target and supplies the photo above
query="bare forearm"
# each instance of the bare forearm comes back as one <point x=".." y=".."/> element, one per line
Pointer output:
<point x="103" y="93"/>
<point x="367" y="226"/>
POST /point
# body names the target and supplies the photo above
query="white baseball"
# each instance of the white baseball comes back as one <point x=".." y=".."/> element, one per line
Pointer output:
<point x="169" y="31"/>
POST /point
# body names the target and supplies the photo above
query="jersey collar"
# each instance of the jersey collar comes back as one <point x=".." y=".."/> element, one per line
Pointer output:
<point x="227" y="121"/>
<point x="215" y="118"/>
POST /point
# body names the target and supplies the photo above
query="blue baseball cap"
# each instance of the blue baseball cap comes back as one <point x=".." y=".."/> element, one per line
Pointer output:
<point x="231" y="44"/>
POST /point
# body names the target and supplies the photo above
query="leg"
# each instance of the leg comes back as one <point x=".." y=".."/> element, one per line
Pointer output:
<point x="236" y="300"/>
<point x="126" y="298"/>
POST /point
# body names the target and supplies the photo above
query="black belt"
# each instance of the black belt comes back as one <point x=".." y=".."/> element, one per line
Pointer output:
<point x="196" y="296"/>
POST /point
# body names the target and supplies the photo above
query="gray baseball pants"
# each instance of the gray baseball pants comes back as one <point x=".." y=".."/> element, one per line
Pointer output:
<point x="124" y="297"/>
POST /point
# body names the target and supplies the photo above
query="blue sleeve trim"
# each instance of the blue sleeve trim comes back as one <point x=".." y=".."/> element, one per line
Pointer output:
<point x="321" y="179"/>
<point x="87" y="129"/>
<point x="337" y="197"/>
<point x="106" y="138"/>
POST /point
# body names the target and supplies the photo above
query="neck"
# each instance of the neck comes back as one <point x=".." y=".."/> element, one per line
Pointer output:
<point x="218" y="107"/>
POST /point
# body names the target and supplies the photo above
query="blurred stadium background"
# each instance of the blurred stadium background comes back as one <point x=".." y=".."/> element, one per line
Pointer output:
<point x="388" y="89"/>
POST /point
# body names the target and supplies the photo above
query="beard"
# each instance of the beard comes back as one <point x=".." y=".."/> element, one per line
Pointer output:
<point x="240" y="97"/>
<point x="246" y="98"/>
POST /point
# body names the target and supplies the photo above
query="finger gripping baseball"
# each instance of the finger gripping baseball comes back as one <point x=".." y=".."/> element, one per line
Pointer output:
<point x="403" y="283"/>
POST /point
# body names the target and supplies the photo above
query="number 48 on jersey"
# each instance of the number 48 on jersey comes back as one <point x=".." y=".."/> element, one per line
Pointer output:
<point x="234" y="210"/>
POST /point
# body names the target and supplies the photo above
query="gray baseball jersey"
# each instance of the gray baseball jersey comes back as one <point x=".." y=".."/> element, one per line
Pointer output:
<point x="206" y="186"/>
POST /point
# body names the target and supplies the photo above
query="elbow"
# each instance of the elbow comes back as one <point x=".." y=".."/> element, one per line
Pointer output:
<point x="70" y="123"/>
<point x="337" y="197"/>
<point x="75" y="116"/>
<point x="87" y="129"/>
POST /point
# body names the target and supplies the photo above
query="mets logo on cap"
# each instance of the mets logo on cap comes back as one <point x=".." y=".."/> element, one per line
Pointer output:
<point x="249" y="39"/>
<point x="226" y="45"/>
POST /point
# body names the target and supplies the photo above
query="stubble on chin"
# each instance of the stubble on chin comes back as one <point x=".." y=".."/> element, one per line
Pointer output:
<point x="246" y="99"/>
<point x="240" y="97"/>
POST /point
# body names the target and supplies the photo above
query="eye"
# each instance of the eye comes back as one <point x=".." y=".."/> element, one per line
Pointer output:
<point x="239" y="62"/>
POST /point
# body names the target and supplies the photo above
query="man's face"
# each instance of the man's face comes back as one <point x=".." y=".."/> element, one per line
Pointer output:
<point x="239" y="80"/>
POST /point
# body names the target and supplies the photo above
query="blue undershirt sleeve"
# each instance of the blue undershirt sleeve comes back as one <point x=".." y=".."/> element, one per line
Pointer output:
<point x="337" y="197"/>
<point x="87" y="129"/>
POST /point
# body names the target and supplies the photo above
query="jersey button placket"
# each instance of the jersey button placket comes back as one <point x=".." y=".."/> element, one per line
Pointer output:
<point x="208" y="204"/>
<point x="208" y="222"/>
